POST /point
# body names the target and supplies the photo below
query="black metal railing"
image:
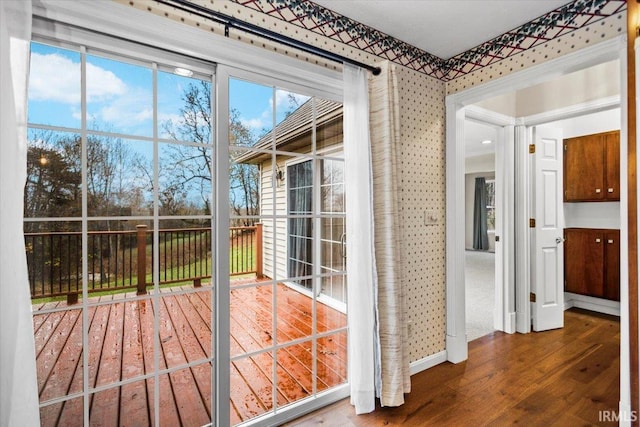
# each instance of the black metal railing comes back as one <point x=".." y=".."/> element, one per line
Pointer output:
<point x="122" y="260"/>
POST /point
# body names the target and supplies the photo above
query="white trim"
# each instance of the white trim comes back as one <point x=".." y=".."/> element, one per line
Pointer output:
<point x="596" y="54"/>
<point x="427" y="362"/>
<point x="298" y="409"/>
<point x="504" y="307"/>
<point x="480" y="114"/>
<point x="456" y="339"/>
<point x="455" y="106"/>
<point x="588" y="107"/>
<point x="522" y="241"/>
<point x="591" y="303"/>
<point x="129" y="23"/>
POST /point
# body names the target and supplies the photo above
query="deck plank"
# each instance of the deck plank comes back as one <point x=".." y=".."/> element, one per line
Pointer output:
<point x="122" y="347"/>
<point x="135" y="411"/>
<point x="49" y="356"/>
<point x="185" y="392"/>
<point x="105" y="404"/>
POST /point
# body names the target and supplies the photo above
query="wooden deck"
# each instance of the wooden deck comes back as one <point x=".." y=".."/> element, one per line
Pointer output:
<point x="121" y="346"/>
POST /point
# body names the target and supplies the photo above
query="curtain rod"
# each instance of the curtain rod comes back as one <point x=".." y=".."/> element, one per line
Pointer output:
<point x="231" y="22"/>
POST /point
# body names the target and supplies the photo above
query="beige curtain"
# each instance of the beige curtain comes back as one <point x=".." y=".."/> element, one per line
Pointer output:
<point x="393" y="354"/>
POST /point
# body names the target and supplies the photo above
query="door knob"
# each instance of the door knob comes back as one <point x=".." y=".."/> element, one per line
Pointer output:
<point x="559" y="240"/>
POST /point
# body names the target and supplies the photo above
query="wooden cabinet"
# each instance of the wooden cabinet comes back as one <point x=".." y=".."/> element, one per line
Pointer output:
<point x="592" y="168"/>
<point x="592" y="262"/>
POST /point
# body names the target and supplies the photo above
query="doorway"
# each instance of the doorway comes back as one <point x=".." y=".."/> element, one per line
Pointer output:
<point x="481" y="215"/>
<point x="519" y="296"/>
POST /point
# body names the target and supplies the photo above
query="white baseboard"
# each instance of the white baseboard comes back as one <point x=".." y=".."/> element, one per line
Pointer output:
<point x="427" y="362"/>
<point x="599" y="305"/>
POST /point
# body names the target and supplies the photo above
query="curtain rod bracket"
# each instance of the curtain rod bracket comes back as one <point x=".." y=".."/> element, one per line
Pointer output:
<point x="226" y="30"/>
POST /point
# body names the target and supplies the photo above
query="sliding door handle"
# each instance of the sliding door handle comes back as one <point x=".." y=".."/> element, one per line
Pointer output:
<point x="343" y="245"/>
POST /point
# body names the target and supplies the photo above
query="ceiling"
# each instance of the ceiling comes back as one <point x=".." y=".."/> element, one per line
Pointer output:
<point x="446" y="28"/>
<point x="443" y="28"/>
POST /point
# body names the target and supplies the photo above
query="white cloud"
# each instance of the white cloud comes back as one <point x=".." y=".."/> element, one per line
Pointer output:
<point x="288" y="100"/>
<point x="65" y="87"/>
<point x="283" y="103"/>
<point x="258" y="123"/>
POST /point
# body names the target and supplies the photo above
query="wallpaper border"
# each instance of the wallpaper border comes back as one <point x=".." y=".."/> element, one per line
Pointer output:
<point x="319" y="20"/>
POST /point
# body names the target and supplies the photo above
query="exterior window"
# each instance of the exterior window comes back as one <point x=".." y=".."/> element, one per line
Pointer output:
<point x="490" y="186"/>
<point x="300" y="227"/>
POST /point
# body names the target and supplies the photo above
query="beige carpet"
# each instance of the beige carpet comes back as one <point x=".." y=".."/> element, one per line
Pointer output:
<point x="480" y="290"/>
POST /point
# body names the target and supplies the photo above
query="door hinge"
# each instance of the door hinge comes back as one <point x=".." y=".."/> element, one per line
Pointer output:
<point x="532" y="297"/>
<point x="532" y="148"/>
<point x="532" y="223"/>
<point x="565" y="147"/>
<point x="497" y="238"/>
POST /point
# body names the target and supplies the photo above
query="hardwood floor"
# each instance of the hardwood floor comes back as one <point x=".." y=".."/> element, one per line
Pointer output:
<point x="562" y="377"/>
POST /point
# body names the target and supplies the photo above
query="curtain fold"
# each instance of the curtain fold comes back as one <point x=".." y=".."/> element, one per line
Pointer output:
<point x="18" y="382"/>
<point x="393" y="355"/>
<point x="480" y="237"/>
<point x="359" y="229"/>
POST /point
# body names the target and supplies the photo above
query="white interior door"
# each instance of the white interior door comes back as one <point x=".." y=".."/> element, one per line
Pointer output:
<point x="547" y="268"/>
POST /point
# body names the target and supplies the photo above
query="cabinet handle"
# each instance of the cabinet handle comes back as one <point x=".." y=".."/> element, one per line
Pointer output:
<point x="610" y="241"/>
<point x="598" y="240"/>
<point x="610" y="190"/>
<point x="598" y="190"/>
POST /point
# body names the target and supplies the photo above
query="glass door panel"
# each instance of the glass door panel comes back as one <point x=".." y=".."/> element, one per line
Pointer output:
<point x="118" y="237"/>
<point x="277" y="357"/>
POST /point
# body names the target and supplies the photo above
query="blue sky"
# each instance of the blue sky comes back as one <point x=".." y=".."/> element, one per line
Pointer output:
<point x="120" y="95"/>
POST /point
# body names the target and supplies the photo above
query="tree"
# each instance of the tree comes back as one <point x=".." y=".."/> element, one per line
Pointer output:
<point x="187" y="169"/>
<point x="53" y="176"/>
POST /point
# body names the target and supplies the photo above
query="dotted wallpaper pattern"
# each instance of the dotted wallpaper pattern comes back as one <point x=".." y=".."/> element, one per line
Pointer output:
<point x="422" y="134"/>
<point x="315" y="25"/>
<point x="423" y="141"/>
<point x="604" y="29"/>
<point x="313" y="17"/>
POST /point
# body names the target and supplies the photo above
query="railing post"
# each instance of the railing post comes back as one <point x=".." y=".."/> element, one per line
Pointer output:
<point x="259" y="273"/>
<point x="142" y="259"/>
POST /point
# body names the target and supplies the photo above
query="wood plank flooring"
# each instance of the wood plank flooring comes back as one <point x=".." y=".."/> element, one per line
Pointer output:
<point x="562" y="377"/>
<point x="121" y="348"/>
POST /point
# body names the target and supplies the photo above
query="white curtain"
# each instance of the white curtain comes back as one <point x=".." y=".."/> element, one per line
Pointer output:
<point x="18" y="383"/>
<point x="394" y="379"/>
<point x="361" y="256"/>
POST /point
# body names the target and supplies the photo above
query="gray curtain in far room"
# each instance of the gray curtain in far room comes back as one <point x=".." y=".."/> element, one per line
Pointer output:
<point x="480" y="238"/>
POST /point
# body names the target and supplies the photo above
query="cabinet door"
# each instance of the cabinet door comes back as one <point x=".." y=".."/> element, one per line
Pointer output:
<point x="584" y="261"/>
<point x="612" y="175"/>
<point x="612" y="265"/>
<point x="584" y="169"/>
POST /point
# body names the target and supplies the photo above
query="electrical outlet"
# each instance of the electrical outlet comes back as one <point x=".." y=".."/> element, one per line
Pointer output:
<point x="430" y="217"/>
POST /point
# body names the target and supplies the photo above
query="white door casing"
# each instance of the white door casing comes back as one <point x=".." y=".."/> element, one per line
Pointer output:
<point x="547" y="268"/>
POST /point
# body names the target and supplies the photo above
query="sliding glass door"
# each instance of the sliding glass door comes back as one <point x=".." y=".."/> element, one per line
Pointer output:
<point x="286" y="345"/>
<point x="181" y="273"/>
<point x="118" y="236"/>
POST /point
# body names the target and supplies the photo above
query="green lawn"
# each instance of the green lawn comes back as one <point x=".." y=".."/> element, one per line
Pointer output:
<point x="242" y="259"/>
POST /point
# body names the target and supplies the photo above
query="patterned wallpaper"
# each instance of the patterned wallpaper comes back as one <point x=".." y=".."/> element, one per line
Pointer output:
<point x="424" y="81"/>
<point x="310" y="16"/>
<point x="422" y="135"/>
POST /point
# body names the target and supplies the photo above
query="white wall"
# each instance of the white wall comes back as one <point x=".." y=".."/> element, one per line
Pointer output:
<point x="482" y="163"/>
<point x="596" y="214"/>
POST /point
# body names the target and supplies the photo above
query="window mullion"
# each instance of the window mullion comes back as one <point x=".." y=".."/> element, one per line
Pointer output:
<point x="85" y="235"/>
